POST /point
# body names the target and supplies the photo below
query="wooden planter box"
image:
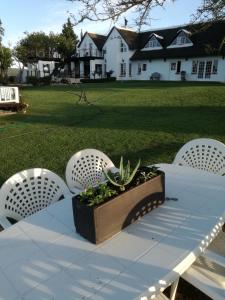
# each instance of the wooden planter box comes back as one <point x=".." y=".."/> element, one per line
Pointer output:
<point x="100" y="223"/>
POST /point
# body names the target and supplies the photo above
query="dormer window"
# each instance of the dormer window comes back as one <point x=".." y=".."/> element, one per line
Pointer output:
<point x="153" y="43"/>
<point x="182" y="40"/>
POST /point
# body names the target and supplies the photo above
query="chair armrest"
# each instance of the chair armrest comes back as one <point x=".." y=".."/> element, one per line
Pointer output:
<point x="214" y="257"/>
<point x="4" y="222"/>
<point x="76" y="191"/>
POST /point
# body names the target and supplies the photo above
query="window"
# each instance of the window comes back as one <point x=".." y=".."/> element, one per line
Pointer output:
<point x="123" y="47"/>
<point x="201" y="69"/>
<point x="90" y="49"/>
<point x="46" y="68"/>
<point x="130" y="69"/>
<point x="152" y="43"/>
<point x="215" y="66"/>
<point x="178" y="66"/>
<point x="104" y="69"/>
<point x="123" y="69"/>
<point x="194" y="67"/>
<point x="139" y="69"/>
<point x="144" y="67"/>
<point x="173" y="66"/>
<point x="208" y="68"/>
<point x="98" y="69"/>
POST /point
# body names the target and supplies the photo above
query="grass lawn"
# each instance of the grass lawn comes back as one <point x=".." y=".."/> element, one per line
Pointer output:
<point x="147" y="120"/>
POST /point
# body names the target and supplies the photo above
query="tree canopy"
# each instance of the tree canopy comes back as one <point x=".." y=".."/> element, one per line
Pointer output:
<point x="5" y="59"/>
<point x="5" y="56"/>
<point x="211" y="11"/>
<point x="1" y="31"/>
<point x="102" y="10"/>
<point x="67" y="40"/>
<point x="38" y="45"/>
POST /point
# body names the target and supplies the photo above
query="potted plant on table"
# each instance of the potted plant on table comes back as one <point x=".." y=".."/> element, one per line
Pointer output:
<point x="102" y="211"/>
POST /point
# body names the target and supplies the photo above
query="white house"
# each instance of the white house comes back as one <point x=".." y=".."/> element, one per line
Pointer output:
<point x="89" y="59"/>
<point x="189" y="52"/>
<point x="44" y="65"/>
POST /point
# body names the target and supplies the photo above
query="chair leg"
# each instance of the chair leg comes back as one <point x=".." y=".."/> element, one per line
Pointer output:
<point x="174" y="289"/>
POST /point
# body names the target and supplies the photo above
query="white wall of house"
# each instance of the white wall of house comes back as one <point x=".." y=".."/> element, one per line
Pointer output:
<point x="168" y="69"/>
<point x="114" y="57"/>
<point x="93" y="63"/>
<point x="38" y="69"/>
<point x="159" y="66"/>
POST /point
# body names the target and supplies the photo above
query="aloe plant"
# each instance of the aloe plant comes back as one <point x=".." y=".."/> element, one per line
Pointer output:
<point x="122" y="178"/>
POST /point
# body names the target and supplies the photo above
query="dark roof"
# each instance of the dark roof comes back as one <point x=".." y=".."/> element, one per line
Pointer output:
<point x="98" y="39"/>
<point x="129" y="36"/>
<point x="207" y="40"/>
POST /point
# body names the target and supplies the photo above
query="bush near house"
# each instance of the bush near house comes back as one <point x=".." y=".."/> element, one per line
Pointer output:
<point x="38" y="81"/>
<point x="101" y="80"/>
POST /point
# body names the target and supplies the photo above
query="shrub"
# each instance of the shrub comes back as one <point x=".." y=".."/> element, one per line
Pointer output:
<point x="98" y="80"/>
<point x="45" y="80"/>
<point x="65" y="81"/>
<point x="12" y="79"/>
<point x="32" y="80"/>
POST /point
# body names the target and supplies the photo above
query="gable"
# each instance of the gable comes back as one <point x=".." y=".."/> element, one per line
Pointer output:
<point x="86" y="41"/>
<point x="153" y="43"/>
<point x="181" y="40"/>
<point x="91" y="41"/>
<point x="114" y="34"/>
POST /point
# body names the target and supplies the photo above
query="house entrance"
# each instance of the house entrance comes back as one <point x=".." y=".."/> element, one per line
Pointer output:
<point x="87" y="69"/>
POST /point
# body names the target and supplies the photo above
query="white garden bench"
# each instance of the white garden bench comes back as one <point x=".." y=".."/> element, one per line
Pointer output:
<point x="9" y="94"/>
<point x="10" y="99"/>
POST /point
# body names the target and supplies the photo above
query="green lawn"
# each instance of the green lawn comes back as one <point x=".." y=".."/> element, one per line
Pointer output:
<point x="144" y="120"/>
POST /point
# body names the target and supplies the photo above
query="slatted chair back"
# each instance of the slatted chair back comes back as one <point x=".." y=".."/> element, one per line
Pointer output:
<point x="85" y="168"/>
<point x="203" y="154"/>
<point x="29" y="191"/>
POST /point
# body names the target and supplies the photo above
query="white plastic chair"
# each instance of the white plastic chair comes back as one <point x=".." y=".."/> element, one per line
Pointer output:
<point x="29" y="191"/>
<point x="85" y="169"/>
<point x="208" y="271"/>
<point x="203" y="154"/>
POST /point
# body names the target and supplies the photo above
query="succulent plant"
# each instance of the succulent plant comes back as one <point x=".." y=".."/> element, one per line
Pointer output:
<point x="122" y="178"/>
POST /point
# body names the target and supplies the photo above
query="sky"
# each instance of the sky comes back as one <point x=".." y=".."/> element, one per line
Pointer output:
<point x="19" y="16"/>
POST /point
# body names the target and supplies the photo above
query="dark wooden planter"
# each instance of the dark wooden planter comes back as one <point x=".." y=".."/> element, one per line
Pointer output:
<point x="100" y="223"/>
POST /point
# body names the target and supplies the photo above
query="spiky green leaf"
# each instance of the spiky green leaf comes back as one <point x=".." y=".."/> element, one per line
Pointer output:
<point x="134" y="172"/>
<point x="121" y="168"/>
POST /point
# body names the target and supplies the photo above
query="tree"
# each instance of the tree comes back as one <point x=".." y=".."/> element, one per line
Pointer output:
<point x="1" y="31"/>
<point x="31" y="48"/>
<point x="67" y="40"/>
<point x="210" y="11"/>
<point x="102" y="10"/>
<point x="38" y="45"/>
<point x="5" y="60"/>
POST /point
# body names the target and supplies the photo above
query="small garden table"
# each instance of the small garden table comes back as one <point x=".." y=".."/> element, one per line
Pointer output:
<point x="42" y="257"/>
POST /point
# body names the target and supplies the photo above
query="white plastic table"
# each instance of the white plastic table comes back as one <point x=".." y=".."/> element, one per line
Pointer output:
<point x="42" y="257"/>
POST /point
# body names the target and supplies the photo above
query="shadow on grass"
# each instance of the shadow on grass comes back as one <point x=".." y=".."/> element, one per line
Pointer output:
<point x="151" y="154"/>
<point x="203" y="120"/>
<point x="125" y="85"/>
